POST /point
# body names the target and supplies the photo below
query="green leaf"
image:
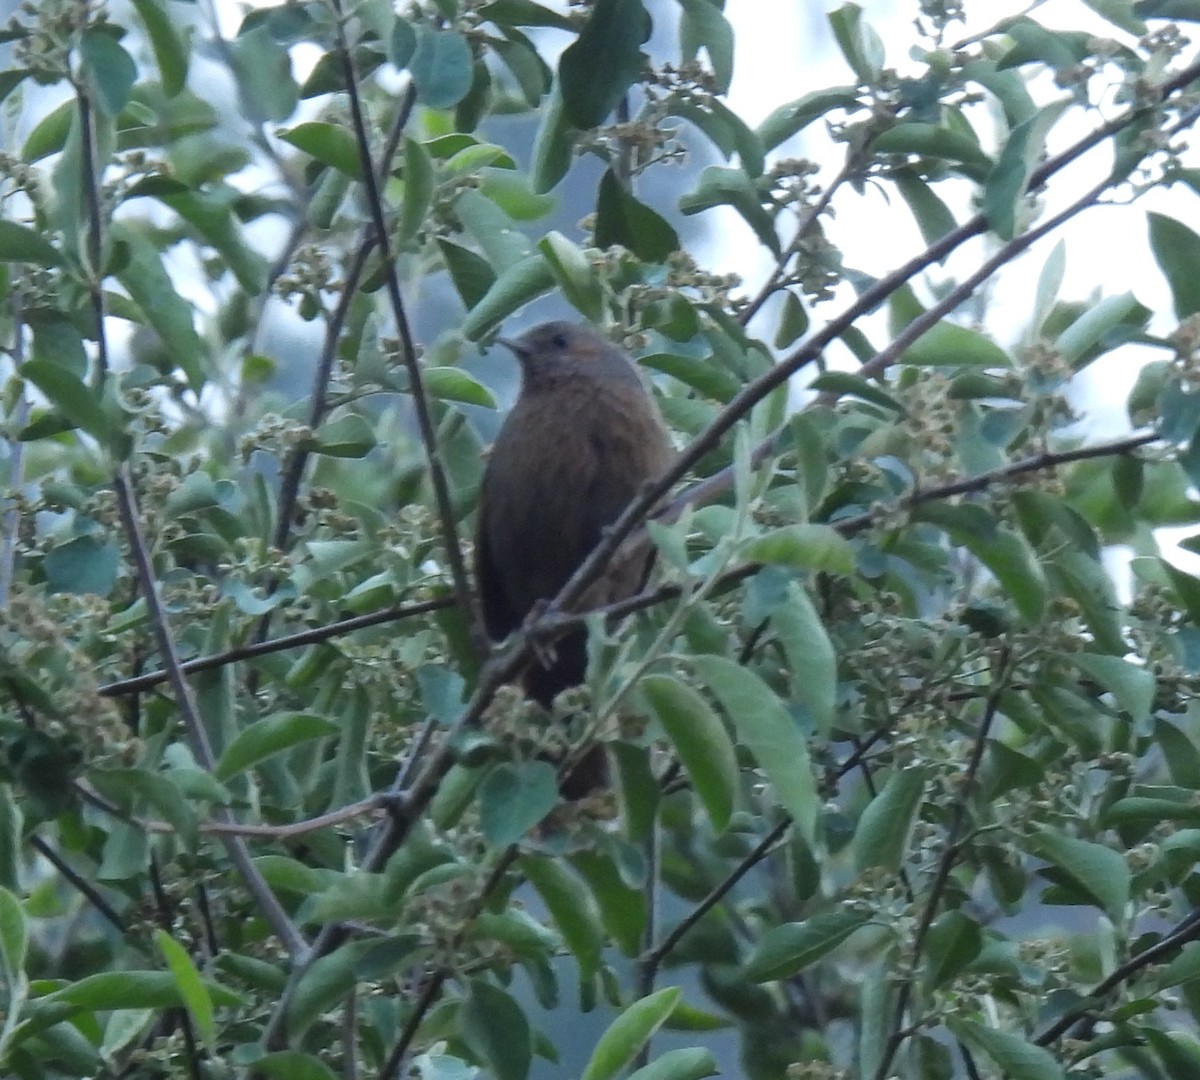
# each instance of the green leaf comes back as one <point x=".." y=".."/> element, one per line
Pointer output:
<point x="49" y="135"/>
<point x="1120" y="14"/>
<point x="808" y="547"/>
<point x="1097" y="870"/>
<point x="71" y="397"/>
<point x="14" y="941"/>
<point x="111" y="68"/>
<point x="19" y="244"/>
<point x="349" y="436"/>
<point x="701" y="741"/>
<point x="843" y="383"/>
<point x="147" y="281"/>
<point x="331" y="144"/>
<point x="442" y="67"/>
<point x="933" y="216"/>
<point x="719" y="186"/>
<point x="1100" y="320"/>
<point x="576" y="276"/>
<point x="293" y="1065"/>
<point x="764" y="725"/>
<point x="860" y="44"/>
<point x="191" y="987"/>
<point x="793" y="322"/>
<point x="131" y="990"/>
<point x="513" y="289"/>
<point x="1176" y="249"/>
<point x="1016" y="1057"/>
<point x="495" y="1028"/>
<point x="214" y="216"/>
<point x="419" y="182"/>
<point x="170" y="52"/>
<point x="514" y="798"/>
<point x="1005" y="553"/>
<point x="1132" y="686"/>
<point x="82" y="566"/>
<point x="702" y="25"/>
<point x="728" y="132"/>
<point x="263" y="67"/>
<point x="950" y="345"/>
<point x="503" y="245"/>
<point x="1007" y="182"/>
<point x="454" y="384"/>
<point x="787" y="949"/>
<point x="270" y="736"/>
<point x="132" y="787"/>
<point x="932" y="140"/>
<point x="1187" y="10"/>
<point x="524" y="13"/>
<point x="787" y="120"/>
<point x="553" y="144"/>
<point x="572" y="907"/>
<point x="953" y="941"/>
<point x="621" y="219"/>
<point x="690" y="1064"/>
<point x="629" y="1032"/>
<point x="597" y="68"/>
<point x="622" y="907"/>
<point x="812" y="660"/>
<point x="472" y="274"/>
<point x="885" y="828"/>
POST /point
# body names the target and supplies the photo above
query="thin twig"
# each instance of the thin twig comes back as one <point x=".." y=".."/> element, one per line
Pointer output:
<point x="95" y="231"/>
<point x="317" y="634"/>
<point x="408" y="350"/>
<point x="201" y="747"/>
<point x="1188" y="930"/>
<point x="318" y="400"/>
<point x="946" y="864"/>
<point x="808" y="219"/>
<point x="16" y="451"/>
<point x="85" y="888"/>
<point x="433" y="987"/>
<point x="761" y="850"/>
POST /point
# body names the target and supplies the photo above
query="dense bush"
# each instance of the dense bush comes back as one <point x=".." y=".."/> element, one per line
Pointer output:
<point x="905" y="785"/>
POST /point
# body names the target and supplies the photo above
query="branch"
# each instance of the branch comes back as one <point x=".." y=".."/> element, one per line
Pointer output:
<point x="85" y="887"/>
<point x="762" y="849"/>
<point x="433" y="456"/>
<point x="239" y="854"/>
<point x="95" y="233"/>
<point x="1187" y="930"/>
<point x="437" y="979"/>
<point x="16" y="451"/>
<point x="138" y="683"/>
<point x="293" y="468"/>
<point x="946" y="863"/>
<point x="807" y="220"/>
<point x="754" y="392"/>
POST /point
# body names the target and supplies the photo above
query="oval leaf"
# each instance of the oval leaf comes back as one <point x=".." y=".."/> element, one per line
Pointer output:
<point x="701" y="741"/>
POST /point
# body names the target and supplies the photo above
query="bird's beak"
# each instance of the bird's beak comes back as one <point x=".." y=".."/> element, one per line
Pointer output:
<point x="515" y="345"/>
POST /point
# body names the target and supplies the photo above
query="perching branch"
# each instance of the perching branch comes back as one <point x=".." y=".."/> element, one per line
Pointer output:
<point x="754" y="392"/>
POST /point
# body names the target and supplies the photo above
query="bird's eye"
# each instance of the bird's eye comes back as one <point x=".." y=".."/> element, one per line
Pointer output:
<point x="559" y="341"/>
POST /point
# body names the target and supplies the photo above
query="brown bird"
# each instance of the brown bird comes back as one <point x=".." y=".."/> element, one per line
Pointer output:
<point x="582" y="439"/>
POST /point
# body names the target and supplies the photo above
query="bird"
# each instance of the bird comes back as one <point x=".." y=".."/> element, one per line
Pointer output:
<point x="581" y="441"/>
